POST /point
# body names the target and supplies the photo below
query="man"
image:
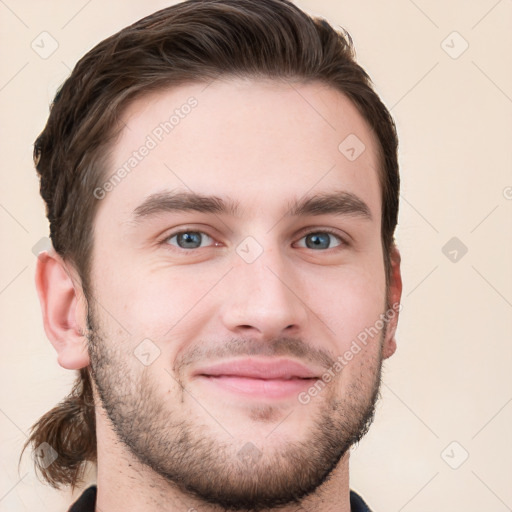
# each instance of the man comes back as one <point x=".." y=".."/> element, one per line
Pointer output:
<point x="221" y="183"/>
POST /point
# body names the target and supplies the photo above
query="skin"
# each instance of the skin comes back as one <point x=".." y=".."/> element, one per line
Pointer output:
<point x="262" y="143"/>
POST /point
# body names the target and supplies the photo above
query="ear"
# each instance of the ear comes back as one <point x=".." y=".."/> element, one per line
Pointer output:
<point x="64" y="310"/>
<point x="394" y="296"/>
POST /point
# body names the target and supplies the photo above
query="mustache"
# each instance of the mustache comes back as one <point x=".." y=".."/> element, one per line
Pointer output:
<point x="284" y="346"/>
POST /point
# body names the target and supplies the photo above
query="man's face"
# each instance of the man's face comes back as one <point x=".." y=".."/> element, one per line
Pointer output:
<point x="275" y="282"/>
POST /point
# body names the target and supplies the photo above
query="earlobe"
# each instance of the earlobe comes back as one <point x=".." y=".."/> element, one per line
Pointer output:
<point x="389" y="347"/>
<point x="394" y="296"/>
<point x="63" y="311"/>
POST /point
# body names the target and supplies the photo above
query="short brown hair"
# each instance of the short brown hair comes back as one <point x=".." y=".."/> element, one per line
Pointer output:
<point x="193" y="41"/>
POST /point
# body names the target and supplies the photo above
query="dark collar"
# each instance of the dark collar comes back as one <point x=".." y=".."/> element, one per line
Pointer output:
<point x="87" y="501"/>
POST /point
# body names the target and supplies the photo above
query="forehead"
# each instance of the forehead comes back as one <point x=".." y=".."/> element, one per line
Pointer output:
<point x="263" y="143"/>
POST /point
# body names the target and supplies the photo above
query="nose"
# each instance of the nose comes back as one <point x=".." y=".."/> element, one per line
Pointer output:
<point x="264" y="298"/>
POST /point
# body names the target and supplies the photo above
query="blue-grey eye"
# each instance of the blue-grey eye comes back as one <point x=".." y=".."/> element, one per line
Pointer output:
<point x="320" y="240"/>
<point x="188" y="239"/>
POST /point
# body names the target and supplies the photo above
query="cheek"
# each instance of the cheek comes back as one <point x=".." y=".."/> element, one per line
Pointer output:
<point x="156" y="303"/>
<point x="350" y="302"/>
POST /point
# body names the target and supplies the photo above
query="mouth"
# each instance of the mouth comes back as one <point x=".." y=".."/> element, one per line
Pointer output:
<point x="259" y="378"/>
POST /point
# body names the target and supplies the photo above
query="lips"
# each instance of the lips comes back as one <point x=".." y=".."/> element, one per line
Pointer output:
<point x="280" y="369"/>
<point x="258" y="379"/>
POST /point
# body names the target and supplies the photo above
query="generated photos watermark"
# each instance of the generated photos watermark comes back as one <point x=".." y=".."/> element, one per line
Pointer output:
<point x="356" y="346"/>
<point x="152" y="140"/>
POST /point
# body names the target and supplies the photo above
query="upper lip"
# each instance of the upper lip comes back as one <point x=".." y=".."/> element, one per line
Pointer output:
<point x="259" y="369"/>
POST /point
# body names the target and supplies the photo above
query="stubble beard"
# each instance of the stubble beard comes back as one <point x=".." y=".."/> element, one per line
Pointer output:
<point x="206" y="464"/>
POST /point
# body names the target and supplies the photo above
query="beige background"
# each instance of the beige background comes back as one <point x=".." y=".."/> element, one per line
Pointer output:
<point x="450" y="379"/>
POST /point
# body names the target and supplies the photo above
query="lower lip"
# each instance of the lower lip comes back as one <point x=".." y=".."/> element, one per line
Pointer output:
<point x="260" y="388"/>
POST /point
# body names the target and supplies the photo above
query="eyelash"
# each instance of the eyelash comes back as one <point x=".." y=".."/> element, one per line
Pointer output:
<point x="164" y="241"/>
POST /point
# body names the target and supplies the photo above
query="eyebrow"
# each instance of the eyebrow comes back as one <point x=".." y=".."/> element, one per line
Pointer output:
<point x="337" y="203"/>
